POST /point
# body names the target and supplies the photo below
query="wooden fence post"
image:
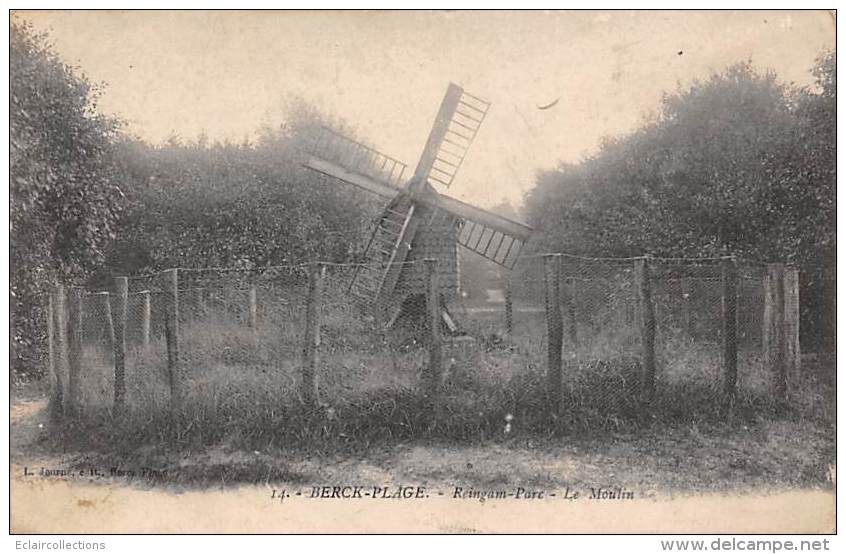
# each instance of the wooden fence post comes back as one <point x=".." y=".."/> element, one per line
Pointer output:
<point x="109" y="322"/>
<point x="570" y="300"/>
<point x="171" y="294"/>
<point x="509" y="310"/>
<point x="308" y="383"/>
<point x="146" y="313"/>
<point x="729" y="278"/>
<point x="647" y="327"/>
<point x="53" y="372"/>
<point x="51" y="348"/>
<point x="253" y="319"/>
<point x="75" y="312"/>
<point x="60" y="326"/>
<point x="434" y="369"/>
<point x="766" y="323"/>
<point x="121" y="297"/>
<point x="774" y="335"/>
<point x="554" y="330"/>
<point x="793" y="352"/>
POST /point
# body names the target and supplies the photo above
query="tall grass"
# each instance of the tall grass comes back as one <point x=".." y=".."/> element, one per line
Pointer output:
<point x="241" y="388"/>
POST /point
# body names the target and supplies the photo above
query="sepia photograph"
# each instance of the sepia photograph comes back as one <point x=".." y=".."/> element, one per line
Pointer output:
<point x="424" y="271"/>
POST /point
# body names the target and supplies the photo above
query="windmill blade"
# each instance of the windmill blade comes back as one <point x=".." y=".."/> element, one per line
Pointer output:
<point x="353" y="162"/>
<point x="342" y="174"/>
<point x="456" y="125"/>
<point x="492" y="236"/>
<point x="385" y="253"/>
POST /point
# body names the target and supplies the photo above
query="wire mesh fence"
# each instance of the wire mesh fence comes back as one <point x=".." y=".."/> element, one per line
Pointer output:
<point x="563" y="338"/>
<point x="602" y="312"/>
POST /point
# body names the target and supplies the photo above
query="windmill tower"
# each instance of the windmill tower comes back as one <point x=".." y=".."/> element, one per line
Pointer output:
<point x="418" y="221"/>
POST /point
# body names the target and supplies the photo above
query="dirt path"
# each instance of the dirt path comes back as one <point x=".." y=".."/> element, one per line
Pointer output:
<point x="28" y="433"/>
<point x="653" y="472"/>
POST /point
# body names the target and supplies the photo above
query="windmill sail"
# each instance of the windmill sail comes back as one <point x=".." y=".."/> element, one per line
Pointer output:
<point x="353" y="162"/>
<point x="385" y="253"/>
<point x="331" y="169"/>
<point x="492" y="236"/>
<point x="456" y="125"/>
<point x="494" y="245"/>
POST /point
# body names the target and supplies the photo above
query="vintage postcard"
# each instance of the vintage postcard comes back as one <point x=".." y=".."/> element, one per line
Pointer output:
<point x="423" y="272"/>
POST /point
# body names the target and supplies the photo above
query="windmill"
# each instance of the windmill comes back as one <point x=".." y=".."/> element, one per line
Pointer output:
<point x="418" y="221"/>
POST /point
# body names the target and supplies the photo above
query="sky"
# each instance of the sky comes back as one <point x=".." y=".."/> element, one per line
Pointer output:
<point x="225" y="74"/>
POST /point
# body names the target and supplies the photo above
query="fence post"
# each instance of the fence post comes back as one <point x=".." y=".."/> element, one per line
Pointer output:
<point x="60" y="325"/>
<point x="51" y="352"/>
<point x="146" y="312"/>
<point x="793" y="352"/>
<point x="766" y="323"/>
<point x="569" y="299"/>
<point x="774" y="335"/>
<point x="171" y="294"/>
<point x="433" y="373"/>
<point x="647" y="327"/>
<point x="308" y="384"/>
<point x="109" y="322"/>
<point x="253" y="320"/>
<point x="729" y="278"/>
<point x="122" y="297"/>
<point x="509" y="310"/>
<point x="554" y="330"/>
<point x="74" y="351"/>
<point x="53" y="373"/>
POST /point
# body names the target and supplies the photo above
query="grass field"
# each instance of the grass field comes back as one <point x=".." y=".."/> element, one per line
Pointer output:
<point x="243" y="422"/>
<point x="241" y="390"/>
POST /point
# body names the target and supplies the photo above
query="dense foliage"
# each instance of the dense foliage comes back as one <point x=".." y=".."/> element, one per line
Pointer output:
<point x="247" y="205"/>
<point x="737" y="164"/>
<point x="64" y="203"/>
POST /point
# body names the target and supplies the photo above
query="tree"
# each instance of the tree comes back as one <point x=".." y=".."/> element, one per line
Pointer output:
<point x="700" y="179"/>
<point x="63" y="201"/>
<point x="817" y="149"/>
<point x="249" y="205"/>
<point x="817" y="157"/>
<point x="736" y="164"/>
